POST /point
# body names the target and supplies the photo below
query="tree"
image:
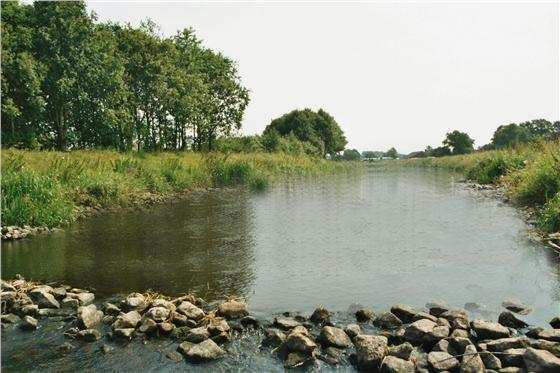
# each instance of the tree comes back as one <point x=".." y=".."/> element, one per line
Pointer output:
<point x="440" y="151"/>
<point x="392" y="153"/>
<point x="510" y="135"/>
<point x="459" y="142"/>
<point x="316" y="128"/>
<point x="371" y="154"/>
<point x="351" y="155"/>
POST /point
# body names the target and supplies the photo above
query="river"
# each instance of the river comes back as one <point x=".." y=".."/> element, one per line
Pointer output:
<point x="389" y="235"/>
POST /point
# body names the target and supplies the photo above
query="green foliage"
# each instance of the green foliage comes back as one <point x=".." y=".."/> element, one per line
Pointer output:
<point x="351" y="155"/>
<point x="371" y="154"/>
<point x="489" y="170"/>
<point x="459" y="142"/>
<point x="513" y="134"/>
<point x="549" y="216"/>
<point x="392" y="153"/>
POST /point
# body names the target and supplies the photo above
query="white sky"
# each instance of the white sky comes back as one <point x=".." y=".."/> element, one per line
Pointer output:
<point x="392" y="74"/>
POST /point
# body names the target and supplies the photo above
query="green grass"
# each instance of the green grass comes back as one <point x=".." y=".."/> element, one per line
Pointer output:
<point x="530" y="174"/>
<point x="47" y="188"/>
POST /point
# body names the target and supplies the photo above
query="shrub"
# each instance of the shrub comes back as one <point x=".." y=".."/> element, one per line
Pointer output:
<point x="549" y="216"/>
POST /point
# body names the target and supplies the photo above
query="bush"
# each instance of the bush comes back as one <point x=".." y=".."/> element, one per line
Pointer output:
<point x="489" y="170"/>
<point x="549" y="216"/>
<point x="539" y="181"/>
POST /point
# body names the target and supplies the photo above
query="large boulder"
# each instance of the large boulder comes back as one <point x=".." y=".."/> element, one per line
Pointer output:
<point x="402" y="351"/>
<point x="299" y="340"/>
<point x="352" y="330"/>
<point x="392" y="364"/>
<point x="555" y="322"/>
<point x="273" y="337"/>
<point x="456" y="314"/>
<point x="135" y="302"/>
<point x="197" y="335"/>
<point x="513" y="357"/>
<point x="190" y="310"/>
<point x="83" y="298"/>
<point x="160" y="302"/>
<point x="158" y="314"/>
<point x="502" y="344"/>
<point x="335" y="337"/>
<point x="489" y="330"/>
<point x="127" y="320"/>
<point x="387" y="320"/>
<point x="364" y="315"/>
<point x="515" y="305"/>
<point x="425" y="331"/>
<point x="370" y="351"/>
<point x="437" y="308"/>
<point x="286" y="322"/>
<point x="204" y="351"/>
<point x="320" y="316"/>
<point x="442" y="361"/>
<point x="549" y="334"/>
<point x="43" y="298"/>
<point x="491" y="361"/>
<point x="404" y="312"/>
<point x="29" y="323"/>
<point x="471" y="361"/>
<point x="233" y="309"/>
<point x="507" y="318"/>
<point x="540" y="361"/>
<point x="89" y="316"/>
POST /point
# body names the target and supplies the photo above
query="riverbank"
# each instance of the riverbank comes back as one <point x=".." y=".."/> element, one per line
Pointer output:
<point x="402" y="339"/>
<point x="530" y="176"/>
<point x="50" y="189"/>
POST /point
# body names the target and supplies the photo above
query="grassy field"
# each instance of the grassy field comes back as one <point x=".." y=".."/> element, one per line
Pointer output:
<point x="530" y="174"/>
<point x="44" y="188"/>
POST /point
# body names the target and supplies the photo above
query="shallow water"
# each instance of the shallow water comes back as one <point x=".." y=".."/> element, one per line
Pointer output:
<point x="383" y="237"/>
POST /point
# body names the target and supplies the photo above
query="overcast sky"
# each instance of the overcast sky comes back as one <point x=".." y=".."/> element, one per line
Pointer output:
<point x="391" y="74"/>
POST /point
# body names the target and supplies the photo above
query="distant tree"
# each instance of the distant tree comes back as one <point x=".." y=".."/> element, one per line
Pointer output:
<point x="371" y="154"/>
<point x="459" y="142"/>
<point x="392" y="153"/>
<point x="440" y="151"/>
<point x="351" y="155"/>
<point x="510" y="135"/>
<point x="538" y="128"/>
<point x="418" y="154"/>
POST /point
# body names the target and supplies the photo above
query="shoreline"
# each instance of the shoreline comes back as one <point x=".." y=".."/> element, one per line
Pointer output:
<point x="401" y="339"/>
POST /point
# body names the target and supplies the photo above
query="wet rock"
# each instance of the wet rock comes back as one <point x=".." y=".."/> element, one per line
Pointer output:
<point x="190" y="310"/>
<point x="220" y="338"/>
<point x="540" y="361"/>
<point x="425" y="332"/>
<point x="249" y="321"/>
<point x="148" y="326"/>
<point x="392" y="364"/>
<point x="352" y="330"/>
<point x="460" y="333"/>
<point x="89" y="317"/>
<point x="489" y="330"/>
<point x="111" y="309"/>
<point x="298" y="340"/>
<point x="320" y="316"/>
<point x="165" y="327"/>
<point x="491" y="361"/>
<point x="443" y="345"/>
<point x="443" y="322"/>
<point x="286" y="322"/>
<point x="135" y="302"/>
<point x="158" y="314"/>
<point x="174" y="356"/>
<point x="370" y="351"/>
<point x="437" y="308"/>
<point x="124" y="333"/>
<point x="515" y="305"/>
<point x="83" y="298"/>
<point x="387" y="320"/>
<point x="295" y="359"/>
<point x="233" y="309"/>
<point x="541" y="344"/>
<point x="273" y="337"/>
<point x="59" y="292"/>
<point x="70" y="303"/>
<point x="88" y="335"/>
<point x="503" y="344"/>
<point x="204" y="351"/>
<point x="364" y="315"/>
<point x="460" y="323"/>
<point x="127" y="320"/>
<point x="29" y="323"/>
<point x="458" y="346"/>
<point x="549" y="334"/>
<point x="404" y="312"/>
<point x="507" y="318"/>
<point x="424" y="315"/>
<point x="453" y="315"/>
<point x="108" y="319"/>
<point x="10" y="319"/>
<point x="471" y="363"/>
<point x="402" y="351"/>
<point x="335" y="337"/>
<point x="52" y="312"/>
<point x="217" y="326"/>
<point x="160" y="302"/>
<point x="43" y="299"/>
<point x="331" y="355"/>
<point x="513" y="357"/>
<point x="198" y="335"/>
<point x="555" y="322"/>
<point x="442" y="361"/>
<point x="179" y="319"/>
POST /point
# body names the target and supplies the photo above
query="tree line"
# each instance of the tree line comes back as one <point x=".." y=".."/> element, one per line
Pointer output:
<point x="69" y="81"/>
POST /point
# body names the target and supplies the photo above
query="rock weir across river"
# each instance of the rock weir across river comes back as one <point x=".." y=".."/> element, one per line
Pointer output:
<point x="402" y="339"/>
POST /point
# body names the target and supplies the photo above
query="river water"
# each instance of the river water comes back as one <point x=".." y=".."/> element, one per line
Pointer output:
<point x="386" y="236"/>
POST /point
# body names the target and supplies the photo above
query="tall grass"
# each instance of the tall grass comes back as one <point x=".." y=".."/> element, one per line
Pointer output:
<point x="46" y="188"/>
<point x="530" y="174"/>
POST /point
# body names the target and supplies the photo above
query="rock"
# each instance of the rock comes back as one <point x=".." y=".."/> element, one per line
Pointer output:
<point x="286" y="322"/>
<point x="387" y="320"/>
<point x="419" y="331"/>
<point x="502" y="344"/>
<point x="540" y="361"/>
<point x="106" y="349"/>
<point x="489" y="330"/>
<point x="511" y="370"/>
<point x="135" y="302"/>
<point x="443" y="322"/>
<point x="89" y="316"/>
<point x="184" y="347"/>
<point x="178" y="319"/>
<point x="29" y="323"/>
<point x="442" y="361"/>
<point x="460" y="333"/>
<point x="460" y="323"/>
<point x="455" y="314"/>
<point x="370" y="351"/>
<point x="10" y="319"/>
<point x="52" y="312"/>
<point x="443" y="345"/>
<point x="222" y="337"/>
<point x="437" y="308"/>
<point x="165" y="327"/>
<point x="320" y="316"/>
<point x="549" y="334"/>
<point x="404" y="312"/>
<point x="392" y="364"/>
<point x="158" y="314"/>
<point x="471" y="363"/>
<point x="88" y="335"/>
<point x="30" y="309"/>
<point x="298" y="340"/>
<point x="148" y="326"/>
<point x="273" y="337"/>
<point x="364" y="315"/>
<point x="541" y="344"/>
<point x="70" y="303"/>
<point x="218" y="326"/>
<point x="555" y="322"/>
<point x="507" y="318"/>
<point x="43" y="299"/>
<point x="458" y="346"/>
<point x="295" y="359"/>
<point x="233" y="309"/>
<point x="127" y="320"/>
<point x="515" y="305"/>
<point x="174" y="356"/>
<point x="249" y="321"/>
<point x="190" y="310"/>
<point x="198" y="335"/>
<point x="159" y="302"/>
<point x="124" y="333"/>
<point x="6" y="286"/>
<point x="402" y="351"/>
<point x="59" y="292"/>
<point x="513" y="357"/>
<point x="83" y="298"/>
<point x="352" y="330"/>
<point x="335" y="337"/>
<point x="204" y="351"/>
<point x="424" y="315"/>
<point x="108" y="319"/>
<point x="491" y="361"/>
<point x="331" y="355"/>
<point x="111" y="309"/>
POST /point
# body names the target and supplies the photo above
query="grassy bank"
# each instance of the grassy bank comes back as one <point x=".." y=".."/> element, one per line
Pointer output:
<point x="530" y="174"/>
<point x="43" y="188"/>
